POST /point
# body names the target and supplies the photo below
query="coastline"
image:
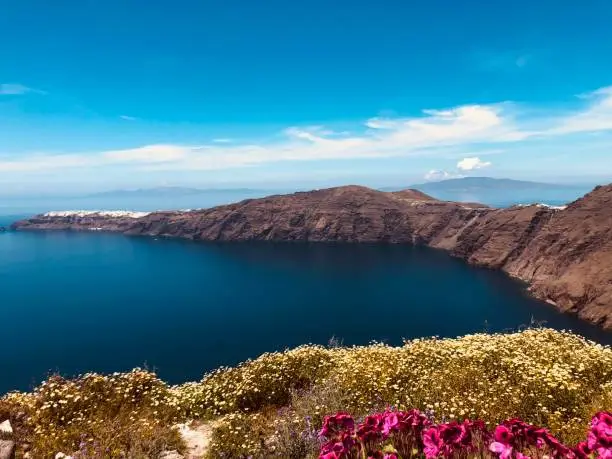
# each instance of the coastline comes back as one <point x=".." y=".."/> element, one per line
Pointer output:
<point x="543" y="246"/>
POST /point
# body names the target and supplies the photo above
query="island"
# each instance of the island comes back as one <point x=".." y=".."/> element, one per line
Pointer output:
<point x="563" y="253"/>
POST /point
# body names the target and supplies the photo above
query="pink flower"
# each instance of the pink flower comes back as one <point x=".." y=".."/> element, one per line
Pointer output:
<point x="600" y="436"/>
<point x="391" y="422"/>
<point x="410" y="429"/>
<point x="603" y="417"/>
<point x="503" y="435"/>
<point x="604" y="453"/>
<point x="403" y="421"/>
<point x="448" y="439"/>
<point x="503" y="449"/>
<point x="601" y="430"/>
<point x="432" y="442"/>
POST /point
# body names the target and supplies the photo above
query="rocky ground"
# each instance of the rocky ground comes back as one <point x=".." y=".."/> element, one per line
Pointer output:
<point x="564" y="254"/>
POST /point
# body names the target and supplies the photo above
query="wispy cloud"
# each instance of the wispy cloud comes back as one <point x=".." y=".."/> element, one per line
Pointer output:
<point x="596" y="117"/>
<point x="15" y="89"/>
<point x="465" y="132"/>
<point x="128" y="118"/>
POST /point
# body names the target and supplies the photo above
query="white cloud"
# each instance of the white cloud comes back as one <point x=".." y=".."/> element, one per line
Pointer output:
<point x="473" y="163"/>
<point x="222" y="140"/>
<point x="12" y="89"/>
<point x="596" y="117"/>
<point x="148" y="154"/>
<point x="127" y="118"/>
<point x="461" y="132"/>
<point x="381" y="123"/>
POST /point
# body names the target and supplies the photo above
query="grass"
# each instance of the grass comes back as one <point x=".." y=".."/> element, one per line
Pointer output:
<point x="270" y="406"/>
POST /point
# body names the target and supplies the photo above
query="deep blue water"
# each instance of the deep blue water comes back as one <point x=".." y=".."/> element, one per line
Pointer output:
<point x="77" y="302"/>
<point x="506" y="198"/>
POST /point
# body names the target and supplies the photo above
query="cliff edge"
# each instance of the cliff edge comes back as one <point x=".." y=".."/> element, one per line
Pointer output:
<point x="564" y="254"/>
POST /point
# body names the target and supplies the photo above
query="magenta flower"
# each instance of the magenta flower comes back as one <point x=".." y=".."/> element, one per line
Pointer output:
<point x="403" y="421"/>
<point x="582" y="450"/>
<point x="601" y="426"/>
<point x="453" y="433"/>
<point x="474" y="429"/>
<point x="409" y="430"/>
<point x="405" y="430"/>
<point x="600" y="436"/>
<point x="337" y="424"/>
<point x="371" y="430"/>
<point x="503" y="434"/>
<point x="339" y="448"/>
<point x="391" y="422"/>
<point x="432" y="442"/>
<point x="502" y="449"/>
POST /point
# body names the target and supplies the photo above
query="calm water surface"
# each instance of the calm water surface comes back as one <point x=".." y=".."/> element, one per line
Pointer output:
<point x="98" y="302"/>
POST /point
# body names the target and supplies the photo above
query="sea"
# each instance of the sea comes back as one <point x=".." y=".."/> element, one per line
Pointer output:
<point x="78" y="302"/>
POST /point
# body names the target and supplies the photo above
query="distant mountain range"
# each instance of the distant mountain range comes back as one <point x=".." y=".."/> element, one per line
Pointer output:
<point x="486" y="183"/>
<point x="170" y="191"/>
<point x="499" y="192"/>
<point x="467" y="184"/>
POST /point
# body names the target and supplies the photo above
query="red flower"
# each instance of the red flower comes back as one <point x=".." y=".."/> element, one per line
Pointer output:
<point x="337" y="424"/>
<point x="453" y="433"/>
<point x="371" y="429"/>
<point x="338" y="448"/>
<point x="582" y="450"/>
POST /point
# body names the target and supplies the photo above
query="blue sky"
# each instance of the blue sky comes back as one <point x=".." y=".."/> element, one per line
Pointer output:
<point x="103" y="94"/>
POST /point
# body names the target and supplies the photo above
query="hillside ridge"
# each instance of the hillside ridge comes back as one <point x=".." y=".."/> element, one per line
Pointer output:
<point x="564" y="255"/>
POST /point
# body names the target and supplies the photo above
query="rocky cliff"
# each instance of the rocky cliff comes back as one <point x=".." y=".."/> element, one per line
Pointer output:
<point x="565" y="255"/>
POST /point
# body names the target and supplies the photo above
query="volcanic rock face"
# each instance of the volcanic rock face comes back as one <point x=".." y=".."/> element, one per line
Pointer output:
<point x="566" y="255"/>
<point x="569" y="259"/>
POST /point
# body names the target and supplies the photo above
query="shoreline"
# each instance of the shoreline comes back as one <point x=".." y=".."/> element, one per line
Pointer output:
<point x="540" y="245"/>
